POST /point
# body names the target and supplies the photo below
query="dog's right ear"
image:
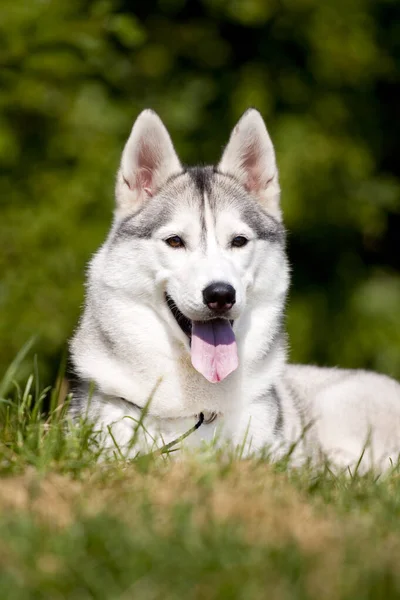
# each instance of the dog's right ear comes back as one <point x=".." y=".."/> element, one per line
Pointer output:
<point x="148" y="160"/>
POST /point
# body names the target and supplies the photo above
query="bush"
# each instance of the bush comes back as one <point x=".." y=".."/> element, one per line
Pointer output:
<point x="74" y="76"/>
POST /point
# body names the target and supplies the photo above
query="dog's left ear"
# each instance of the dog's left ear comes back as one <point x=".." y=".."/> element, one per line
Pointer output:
<point x="250" y="158"/>
<point x="148" y="160"/>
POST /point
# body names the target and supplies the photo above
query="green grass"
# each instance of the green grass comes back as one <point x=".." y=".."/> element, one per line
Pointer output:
<point x="206" y="526"/>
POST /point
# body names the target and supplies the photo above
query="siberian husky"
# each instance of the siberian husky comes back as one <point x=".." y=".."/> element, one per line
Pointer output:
<point x="185" y="306"/>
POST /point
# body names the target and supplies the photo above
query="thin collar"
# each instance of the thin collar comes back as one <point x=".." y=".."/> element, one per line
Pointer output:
<point x="202" y="420"/>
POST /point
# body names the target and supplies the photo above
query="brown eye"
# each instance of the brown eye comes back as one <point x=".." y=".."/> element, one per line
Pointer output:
<point x="175" y="242"/>
<point x="239" y="241"/>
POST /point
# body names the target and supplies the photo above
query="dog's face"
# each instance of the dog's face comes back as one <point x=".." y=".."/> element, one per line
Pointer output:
<point x="198" y="245"/>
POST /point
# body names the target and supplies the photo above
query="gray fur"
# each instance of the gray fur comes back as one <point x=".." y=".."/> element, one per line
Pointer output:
<point x="266" y="227"/>
<point x="279" y="423"/>
<point x="203" y="179"/>
<point x="221" y="191"/>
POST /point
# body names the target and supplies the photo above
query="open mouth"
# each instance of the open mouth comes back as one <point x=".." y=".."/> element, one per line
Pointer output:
<point x="213" y="346"/>
<point x="184" y="323"/>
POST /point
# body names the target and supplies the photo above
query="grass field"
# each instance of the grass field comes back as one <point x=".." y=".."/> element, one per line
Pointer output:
<point x="207" y="526"/>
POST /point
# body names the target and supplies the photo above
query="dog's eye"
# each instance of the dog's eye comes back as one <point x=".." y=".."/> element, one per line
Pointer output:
<point x="175" y="242"/>
<point x="239" y="241"/>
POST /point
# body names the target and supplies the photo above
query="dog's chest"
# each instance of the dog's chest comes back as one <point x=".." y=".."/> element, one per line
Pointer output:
<point x="183" y="391"/>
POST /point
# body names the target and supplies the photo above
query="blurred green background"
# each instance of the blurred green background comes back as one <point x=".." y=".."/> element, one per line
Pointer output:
<point x="325" y="75"/>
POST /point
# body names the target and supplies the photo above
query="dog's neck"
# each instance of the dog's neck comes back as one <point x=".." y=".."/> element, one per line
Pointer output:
<point x="143" y="360"/>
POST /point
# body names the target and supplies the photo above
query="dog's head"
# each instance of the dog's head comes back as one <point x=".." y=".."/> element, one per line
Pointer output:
<point x="200" y="245"/>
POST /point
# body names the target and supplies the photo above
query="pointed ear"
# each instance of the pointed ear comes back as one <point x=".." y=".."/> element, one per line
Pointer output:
<point x="250" y="158"/>
<point x="148" y="160"/>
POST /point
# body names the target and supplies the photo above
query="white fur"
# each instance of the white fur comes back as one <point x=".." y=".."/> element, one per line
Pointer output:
<point x="129" y="344"/>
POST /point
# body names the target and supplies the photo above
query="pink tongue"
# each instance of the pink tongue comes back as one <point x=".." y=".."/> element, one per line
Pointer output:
<point x="214" y="350"/>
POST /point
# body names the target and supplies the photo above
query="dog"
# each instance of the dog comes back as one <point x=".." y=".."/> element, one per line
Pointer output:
<point x="183" y="325"/>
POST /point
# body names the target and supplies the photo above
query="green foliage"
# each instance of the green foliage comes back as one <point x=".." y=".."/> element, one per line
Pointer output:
<point x="324" y="74"/>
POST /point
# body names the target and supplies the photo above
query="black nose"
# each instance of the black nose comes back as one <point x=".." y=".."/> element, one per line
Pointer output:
<point x="219" y="296"/>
